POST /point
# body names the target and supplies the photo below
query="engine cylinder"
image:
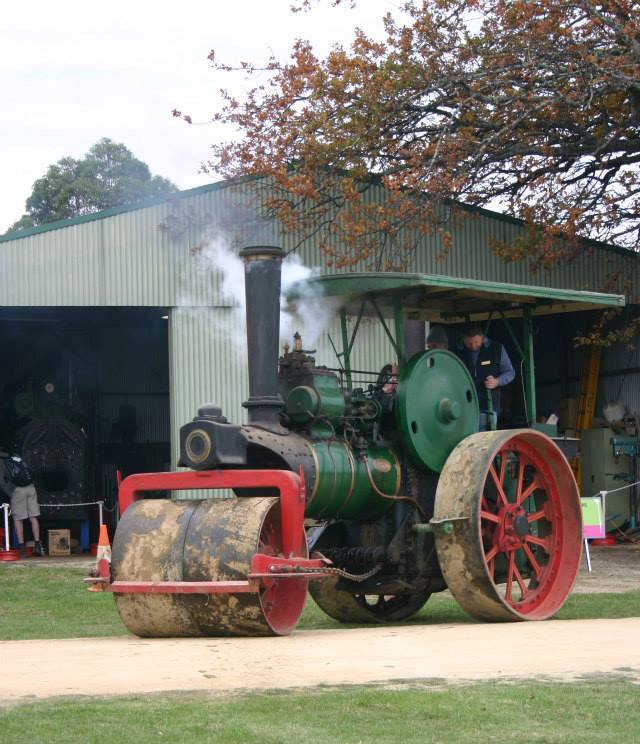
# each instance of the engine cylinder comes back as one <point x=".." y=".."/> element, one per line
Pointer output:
<point x="352" y="484"/>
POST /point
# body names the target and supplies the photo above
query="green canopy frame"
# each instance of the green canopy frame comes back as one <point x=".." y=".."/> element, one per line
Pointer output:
<point x="442" y="299"/>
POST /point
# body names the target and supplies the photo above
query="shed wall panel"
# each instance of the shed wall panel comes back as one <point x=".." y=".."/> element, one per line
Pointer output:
<point x="207" y="365"/>
<point x="61" y="267"/>
<point x="128" y="259"/>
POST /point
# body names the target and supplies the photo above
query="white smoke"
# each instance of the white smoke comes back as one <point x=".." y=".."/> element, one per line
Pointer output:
<point x="312" y="312"/>
<point x="310" y="317"/>
<point x="216" y="261"/>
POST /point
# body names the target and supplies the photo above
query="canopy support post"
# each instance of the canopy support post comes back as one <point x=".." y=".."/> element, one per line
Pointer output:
<point x="529" y="366"/>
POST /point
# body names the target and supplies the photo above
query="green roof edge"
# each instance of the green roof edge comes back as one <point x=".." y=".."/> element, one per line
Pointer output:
<point x="151" y="202"/>
<point x="509" y="219"/>
<point x="377" y="282"/>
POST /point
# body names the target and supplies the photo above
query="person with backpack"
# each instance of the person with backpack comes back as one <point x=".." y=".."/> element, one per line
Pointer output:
<point x="16" y="482"/>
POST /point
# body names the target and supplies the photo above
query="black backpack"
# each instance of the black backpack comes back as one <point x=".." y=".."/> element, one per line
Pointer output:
<point x="18" y="471"/>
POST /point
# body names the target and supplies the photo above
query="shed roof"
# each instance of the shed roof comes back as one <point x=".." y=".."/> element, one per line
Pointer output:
<point x="449" y="299"/>
<point x="217" y="185"/>
<point x="162" y="253"/>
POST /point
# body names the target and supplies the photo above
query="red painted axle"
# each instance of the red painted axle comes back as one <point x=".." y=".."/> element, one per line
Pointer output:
<point x="262" y="567"/>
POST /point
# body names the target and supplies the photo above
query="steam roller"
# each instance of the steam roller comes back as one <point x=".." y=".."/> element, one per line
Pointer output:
<point x="369" y="498"/>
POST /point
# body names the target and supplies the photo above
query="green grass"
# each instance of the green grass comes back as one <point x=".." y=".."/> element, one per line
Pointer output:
<point x="592" y="711"/>
<point x="44" y="602"/>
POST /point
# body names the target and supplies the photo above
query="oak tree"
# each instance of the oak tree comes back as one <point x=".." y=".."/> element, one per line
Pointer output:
<point x="528" y="106"/>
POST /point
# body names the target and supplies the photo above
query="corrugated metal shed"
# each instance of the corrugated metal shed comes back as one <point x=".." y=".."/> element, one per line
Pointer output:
<point x="156" y="255"/>
<point x="150" y="255"/>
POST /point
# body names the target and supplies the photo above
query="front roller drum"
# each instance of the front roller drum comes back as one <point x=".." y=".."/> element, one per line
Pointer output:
<point x="509" y="525"/>
<point x="208" y="540"/>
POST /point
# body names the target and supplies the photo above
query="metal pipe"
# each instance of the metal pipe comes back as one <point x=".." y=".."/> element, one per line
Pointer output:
<point x="5" y="509"/>
<point x="529" y="366"/>
<point x="262" y="272"/>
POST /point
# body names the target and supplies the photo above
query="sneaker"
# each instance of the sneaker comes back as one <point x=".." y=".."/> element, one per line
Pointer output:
<point x="22" y="550"/>
<point x="37" y="548"/>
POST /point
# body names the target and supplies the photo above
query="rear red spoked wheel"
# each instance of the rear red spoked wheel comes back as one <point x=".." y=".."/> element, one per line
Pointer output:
<point x="514" y="549"/>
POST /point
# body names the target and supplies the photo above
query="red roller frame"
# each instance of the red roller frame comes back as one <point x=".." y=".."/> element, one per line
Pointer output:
<point x="291" y="489"/>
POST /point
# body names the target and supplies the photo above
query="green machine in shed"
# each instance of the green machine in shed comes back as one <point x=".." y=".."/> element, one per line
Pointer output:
<point x="401" y="495"/>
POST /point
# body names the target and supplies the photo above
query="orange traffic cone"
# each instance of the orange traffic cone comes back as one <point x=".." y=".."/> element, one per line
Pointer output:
<point x="104" y="546"/>
<point x="103" y="559"/>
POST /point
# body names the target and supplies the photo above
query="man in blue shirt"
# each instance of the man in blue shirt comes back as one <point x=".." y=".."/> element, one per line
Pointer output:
<point x="490" y="368"/>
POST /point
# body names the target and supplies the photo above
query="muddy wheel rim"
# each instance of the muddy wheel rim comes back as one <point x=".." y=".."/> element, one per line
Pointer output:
<point x="513" y="508"/>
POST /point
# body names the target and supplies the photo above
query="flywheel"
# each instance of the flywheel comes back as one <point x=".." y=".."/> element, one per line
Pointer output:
<point x="436" y="407"/>
<point x="513" y="545"/>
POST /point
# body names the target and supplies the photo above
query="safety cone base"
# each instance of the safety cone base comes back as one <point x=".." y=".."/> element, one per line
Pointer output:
<point x="9" y="555"/>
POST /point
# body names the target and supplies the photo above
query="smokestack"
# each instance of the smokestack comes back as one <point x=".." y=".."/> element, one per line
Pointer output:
<point x="262" y="271"/>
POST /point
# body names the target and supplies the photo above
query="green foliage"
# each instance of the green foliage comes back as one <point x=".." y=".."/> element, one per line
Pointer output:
<point x="499" y="713"/>
<point x="531" y="105"/>
<point x="108" y="176"/>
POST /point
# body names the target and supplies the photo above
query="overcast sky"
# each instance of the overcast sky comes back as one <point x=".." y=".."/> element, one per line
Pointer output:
<point x="73" y="72"/>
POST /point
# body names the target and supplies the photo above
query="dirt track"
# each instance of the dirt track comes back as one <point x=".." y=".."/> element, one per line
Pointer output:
<point x="553" y="650"/>
<point x="559" y="650"/>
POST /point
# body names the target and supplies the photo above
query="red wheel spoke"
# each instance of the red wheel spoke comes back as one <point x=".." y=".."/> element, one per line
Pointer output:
<point x="498" y="485"/>
<point x="523" y="587"/>
<point x="503" y="467"/>
<point x="488" y="515"/>
<point x="512" y="565"/>
<point x="519" y="496"/>
<point x="490" y="558"/>
<point x="542" y="542"/>
<point x="492" y="567"/>
<point x="491" y="554"/>
<point x="534" y="485"/>
<point x="532" y="560"/>
<point x="534" y="516"/>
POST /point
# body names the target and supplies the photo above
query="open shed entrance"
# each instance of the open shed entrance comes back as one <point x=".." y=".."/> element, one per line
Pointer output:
<point x="84" y="392"/>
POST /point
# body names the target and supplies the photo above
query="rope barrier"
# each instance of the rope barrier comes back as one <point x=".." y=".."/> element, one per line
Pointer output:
<point x="614" y="490"/>
<point x="100" y="505"/>
<point x="7" y="511"/>
<point x="61" y="506"/>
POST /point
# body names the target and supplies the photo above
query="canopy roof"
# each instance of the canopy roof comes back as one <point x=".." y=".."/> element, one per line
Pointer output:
<point x="447" y="299"/>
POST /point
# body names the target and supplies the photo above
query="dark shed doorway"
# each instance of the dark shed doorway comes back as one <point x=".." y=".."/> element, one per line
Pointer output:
<point x="84" y="392"/>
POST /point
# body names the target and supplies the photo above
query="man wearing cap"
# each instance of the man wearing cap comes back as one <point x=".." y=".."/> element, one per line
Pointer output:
<point x="490" y="368"/>
<point x="437" y="338"/>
